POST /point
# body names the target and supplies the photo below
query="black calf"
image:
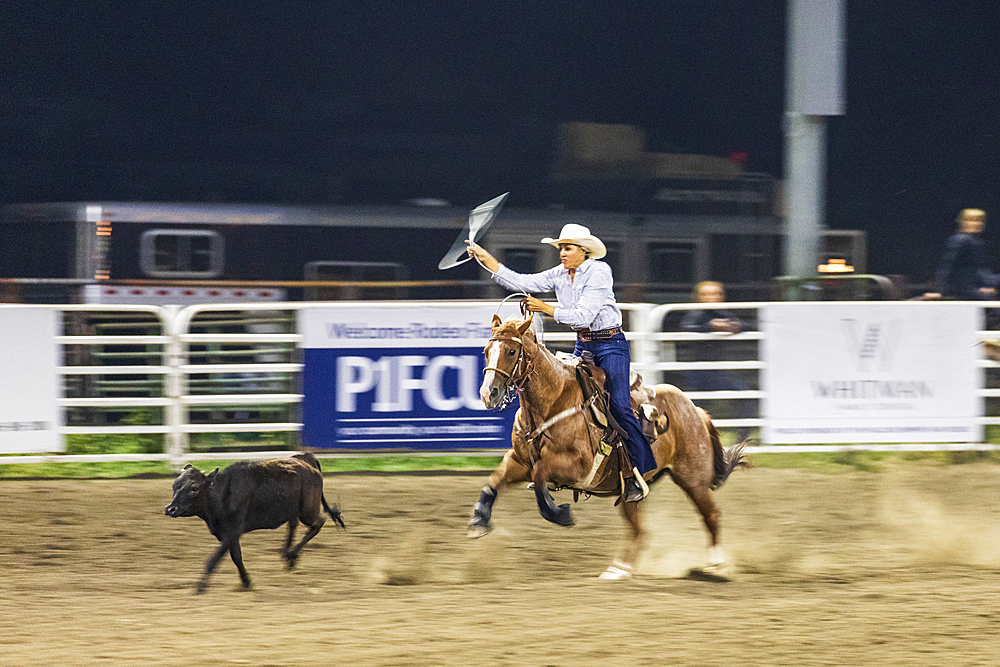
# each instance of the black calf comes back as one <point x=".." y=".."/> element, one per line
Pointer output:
<point x="250" y="495"/>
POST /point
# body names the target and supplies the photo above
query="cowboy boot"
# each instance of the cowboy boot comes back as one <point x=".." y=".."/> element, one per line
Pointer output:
<point x="635" y="487"/>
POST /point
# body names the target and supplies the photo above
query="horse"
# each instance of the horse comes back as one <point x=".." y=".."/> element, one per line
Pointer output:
<point x="557" y="442"/>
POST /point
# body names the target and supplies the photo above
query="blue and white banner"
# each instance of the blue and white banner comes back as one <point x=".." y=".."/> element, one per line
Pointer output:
<point x="871" y="372"/>
<point x="398" y="377"/>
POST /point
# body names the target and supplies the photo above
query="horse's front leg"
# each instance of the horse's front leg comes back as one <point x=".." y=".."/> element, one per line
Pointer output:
<point x="624" y="564"/>
<point x="541" y="474"/>
<point x="510" y="471"/>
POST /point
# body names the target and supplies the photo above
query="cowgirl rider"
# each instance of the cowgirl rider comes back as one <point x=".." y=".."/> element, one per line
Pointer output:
<point x="586" y="302"/>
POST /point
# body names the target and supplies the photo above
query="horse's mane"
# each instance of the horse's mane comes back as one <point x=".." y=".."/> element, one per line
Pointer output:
<point x="512" y="322"/>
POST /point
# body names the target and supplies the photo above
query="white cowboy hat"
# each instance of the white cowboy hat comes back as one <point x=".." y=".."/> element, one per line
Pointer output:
<point x="581" y="236"/>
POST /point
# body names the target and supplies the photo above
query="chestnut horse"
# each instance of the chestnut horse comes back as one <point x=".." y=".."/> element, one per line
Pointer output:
<point x="556" y="442"/>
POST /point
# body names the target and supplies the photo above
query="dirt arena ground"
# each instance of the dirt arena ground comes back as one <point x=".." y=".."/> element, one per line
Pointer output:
<point x="899" y="567"/>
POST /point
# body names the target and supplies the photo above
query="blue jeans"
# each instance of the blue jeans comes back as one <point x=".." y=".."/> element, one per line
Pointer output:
<point x="612" y="355"/>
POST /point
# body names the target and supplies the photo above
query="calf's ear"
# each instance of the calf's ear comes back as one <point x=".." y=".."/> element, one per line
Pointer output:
<point x="212" y="474"/>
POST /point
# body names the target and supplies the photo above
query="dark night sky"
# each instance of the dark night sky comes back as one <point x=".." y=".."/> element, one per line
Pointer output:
<point x="301" y="102"/>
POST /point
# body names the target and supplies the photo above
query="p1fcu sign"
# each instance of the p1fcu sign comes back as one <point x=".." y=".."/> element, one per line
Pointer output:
<point x="871" y="372"/>
<point x="30" y="384"/>
<point x="398" y="377"/>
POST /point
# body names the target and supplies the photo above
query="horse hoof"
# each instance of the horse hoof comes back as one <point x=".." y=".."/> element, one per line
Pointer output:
<point x="477" y="530"/>
<point x="617" y="571"/>
<point x="564" y="517"/>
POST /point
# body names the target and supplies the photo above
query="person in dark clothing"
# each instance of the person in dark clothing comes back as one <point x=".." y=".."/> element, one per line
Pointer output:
<point x="715" y="321"/>
<point x="963" y="272"/>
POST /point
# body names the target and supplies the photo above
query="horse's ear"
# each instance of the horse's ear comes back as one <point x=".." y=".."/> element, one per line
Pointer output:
<point x="523" y="326"/>
<point x="496" y="321"/>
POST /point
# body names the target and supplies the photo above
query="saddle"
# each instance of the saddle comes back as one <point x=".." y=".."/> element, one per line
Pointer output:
<point x="611" y="466"/>
<point x="653" y="423"/>
<point x="592" y="379"/>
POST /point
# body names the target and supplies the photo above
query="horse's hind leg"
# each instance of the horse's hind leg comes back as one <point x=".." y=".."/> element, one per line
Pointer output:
<point x="511" y="470"/>
<point x="622" y="566"/>
<point x="702" y="498"/>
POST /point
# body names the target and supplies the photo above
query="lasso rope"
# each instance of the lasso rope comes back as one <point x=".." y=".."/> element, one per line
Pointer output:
<point x="522" y="293"/>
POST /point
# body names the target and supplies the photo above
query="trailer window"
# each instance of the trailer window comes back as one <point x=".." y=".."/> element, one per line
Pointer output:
<point x="181" y="253"/>
<point x="328" y="271"/>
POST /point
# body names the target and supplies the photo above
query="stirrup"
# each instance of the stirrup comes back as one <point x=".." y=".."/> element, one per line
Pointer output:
<point x="633" y="492"/>
<point x="642" y="482"/>
<point x="638" y="484"/>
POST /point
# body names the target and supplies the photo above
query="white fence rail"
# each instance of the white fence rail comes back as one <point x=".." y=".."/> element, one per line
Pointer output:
<point x="204" y="369"/>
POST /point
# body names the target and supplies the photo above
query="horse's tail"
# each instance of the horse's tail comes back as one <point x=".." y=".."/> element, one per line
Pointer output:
<point x="725" y="461"/>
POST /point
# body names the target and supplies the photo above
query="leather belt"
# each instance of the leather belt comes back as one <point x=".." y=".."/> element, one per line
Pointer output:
<point x="603" y="334"/>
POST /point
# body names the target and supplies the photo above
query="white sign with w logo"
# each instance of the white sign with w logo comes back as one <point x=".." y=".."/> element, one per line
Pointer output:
<point x="871" y="372"/>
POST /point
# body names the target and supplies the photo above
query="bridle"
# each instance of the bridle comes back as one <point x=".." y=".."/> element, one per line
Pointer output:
<point x="517" y="378"/>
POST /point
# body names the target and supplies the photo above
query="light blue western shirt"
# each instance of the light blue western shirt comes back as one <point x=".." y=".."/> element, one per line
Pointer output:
<point x="586" y="302"/>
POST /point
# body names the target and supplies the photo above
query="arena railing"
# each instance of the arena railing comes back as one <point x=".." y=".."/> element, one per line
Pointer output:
<point x="288" y="370"/>
<point x="236" y="369"/>
<point x="115" y="359"/>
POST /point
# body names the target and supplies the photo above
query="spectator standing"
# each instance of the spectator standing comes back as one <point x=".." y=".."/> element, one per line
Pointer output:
<point x="963" y="272"/>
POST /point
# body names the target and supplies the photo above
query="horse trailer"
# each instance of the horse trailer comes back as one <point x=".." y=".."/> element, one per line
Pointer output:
<point x="122" y="252"/>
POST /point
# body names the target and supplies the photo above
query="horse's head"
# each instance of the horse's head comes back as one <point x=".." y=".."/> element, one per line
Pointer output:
<point x="508" y="360"/>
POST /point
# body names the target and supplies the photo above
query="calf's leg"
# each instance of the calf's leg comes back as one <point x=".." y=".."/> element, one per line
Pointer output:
<point x="292" y="524"/>
<point x="232" y="545"/>
<point x="293" y="555"/>
<point x="236" y="553"/>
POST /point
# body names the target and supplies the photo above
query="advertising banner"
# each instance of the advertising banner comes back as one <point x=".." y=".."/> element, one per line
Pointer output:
<point x="397" y="377"/>
<point x="871" y="373"/>
<point x="30" y="417"/>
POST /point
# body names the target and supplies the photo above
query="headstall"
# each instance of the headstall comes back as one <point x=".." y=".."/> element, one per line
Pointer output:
<point x="517" y="379"/>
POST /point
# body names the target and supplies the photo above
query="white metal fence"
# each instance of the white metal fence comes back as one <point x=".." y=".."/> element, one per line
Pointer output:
<point x="236" y="368"/>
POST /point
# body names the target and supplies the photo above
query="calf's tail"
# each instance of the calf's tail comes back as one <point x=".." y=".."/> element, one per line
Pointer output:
<point x="334" y="513"/>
